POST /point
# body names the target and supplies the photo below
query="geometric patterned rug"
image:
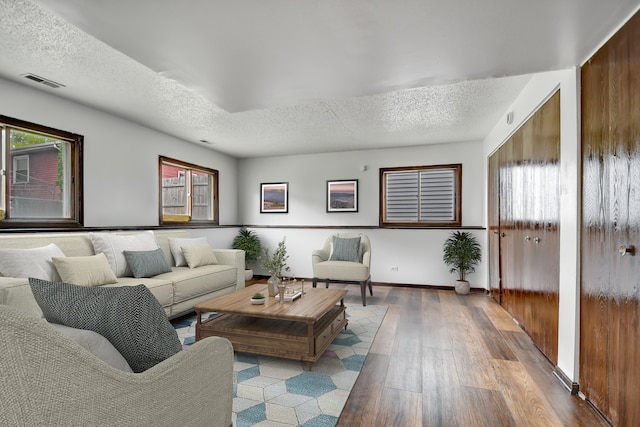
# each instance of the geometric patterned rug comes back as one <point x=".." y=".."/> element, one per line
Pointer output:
<point x="269" y="391"/>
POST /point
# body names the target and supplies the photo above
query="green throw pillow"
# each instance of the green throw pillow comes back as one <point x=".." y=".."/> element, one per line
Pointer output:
<point x="345" y="249"/>
<point x="147" y="263"/>
<point x="130" y="317"/>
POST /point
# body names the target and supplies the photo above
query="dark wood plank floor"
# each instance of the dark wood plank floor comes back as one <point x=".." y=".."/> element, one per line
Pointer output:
<point x="440" y="359"/>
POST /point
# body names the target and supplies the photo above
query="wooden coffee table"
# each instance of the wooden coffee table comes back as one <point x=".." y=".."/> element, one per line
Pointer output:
<point x="299" y="330"/>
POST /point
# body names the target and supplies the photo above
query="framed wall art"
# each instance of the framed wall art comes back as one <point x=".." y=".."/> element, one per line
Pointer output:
<point x="342" y="195"/>
<point x="274" y="197"/>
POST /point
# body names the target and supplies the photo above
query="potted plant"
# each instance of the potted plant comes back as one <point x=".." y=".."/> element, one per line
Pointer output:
<point x="249" y="242"/>
<point x="275" y="264"/>
<point x="257" y="298"/>
<point x="462" y="253"/>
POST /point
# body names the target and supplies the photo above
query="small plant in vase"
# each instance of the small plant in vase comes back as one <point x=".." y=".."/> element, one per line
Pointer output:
<point x="275" y="264"/>
<point x="257" y="298"/>
<point x="462" y="253"/>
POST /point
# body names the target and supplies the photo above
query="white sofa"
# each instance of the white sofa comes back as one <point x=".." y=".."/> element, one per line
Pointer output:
<point x="177" y="291"/>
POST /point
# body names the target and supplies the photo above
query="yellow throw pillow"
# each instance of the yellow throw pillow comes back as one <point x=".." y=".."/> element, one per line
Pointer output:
<point x="199" y="255"/>
<point x="85" y="270"/>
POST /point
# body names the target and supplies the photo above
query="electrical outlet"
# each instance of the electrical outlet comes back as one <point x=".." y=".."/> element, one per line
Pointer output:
<point x="394" y="268"/>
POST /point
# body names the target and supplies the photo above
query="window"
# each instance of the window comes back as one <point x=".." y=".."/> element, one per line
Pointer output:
<point x="41" y="176"/>
<point x="421" y="196"/>
<point x="20" y="169"/>
<point x="188" y="193"/>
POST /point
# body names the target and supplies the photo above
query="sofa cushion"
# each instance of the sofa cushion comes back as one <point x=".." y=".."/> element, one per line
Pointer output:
<point x="95" y="344"/>
<point x="91" y="270"/>
<point x="113" y="246"/>
<point x="341" y="270"/>
<point x="16" y="292"/>
<point x="192" y="282"/>
<point x="130" y="317"/>
<point x="162" y="289"/>
<point x="199" y="255"/>
<point x="177" y="243"/>
<point x="33" y="262"/>
<point x="147" y="263"/>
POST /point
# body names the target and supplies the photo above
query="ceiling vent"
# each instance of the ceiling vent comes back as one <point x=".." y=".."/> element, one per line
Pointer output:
<point x="42" y="80"/>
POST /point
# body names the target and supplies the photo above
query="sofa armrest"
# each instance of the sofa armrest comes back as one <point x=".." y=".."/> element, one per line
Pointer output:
<point x="16" y="292"/>
<point x="234" y="257"/>
<point x="319" y="255"/>
<point x="366" y="258"/>
<point x="47" y="379"/>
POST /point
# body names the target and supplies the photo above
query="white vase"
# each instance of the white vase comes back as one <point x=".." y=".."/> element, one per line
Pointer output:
<point x="273" y="283"/>
<point x="462" y="287"/>
<point x="248" y="275"/>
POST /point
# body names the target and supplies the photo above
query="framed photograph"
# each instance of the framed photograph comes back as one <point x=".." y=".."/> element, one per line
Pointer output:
<point x="274" y="197"/>
<point x="342" y="195"/>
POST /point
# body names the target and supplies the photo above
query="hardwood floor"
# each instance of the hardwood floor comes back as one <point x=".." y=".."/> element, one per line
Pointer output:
<point x="440" y="359"/>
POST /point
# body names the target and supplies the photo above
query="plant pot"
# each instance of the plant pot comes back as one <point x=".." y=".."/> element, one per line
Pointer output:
<point x="248" y="275"/>
<point x="462" y="287"/>
<point x="257" y="301"/>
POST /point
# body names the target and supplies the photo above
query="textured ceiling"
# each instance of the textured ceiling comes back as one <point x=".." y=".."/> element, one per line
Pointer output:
<point x="259" y="78"/>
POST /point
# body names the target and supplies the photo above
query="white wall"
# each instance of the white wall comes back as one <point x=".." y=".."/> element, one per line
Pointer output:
<point x="539" y="89"/>
<point x="120" y="158"/>
<point x="416" y="253"/>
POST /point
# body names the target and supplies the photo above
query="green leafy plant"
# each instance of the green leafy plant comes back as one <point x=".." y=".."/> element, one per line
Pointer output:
<point x="257" y="295"/>
<point x="249" y="242"/>
<point x="276" y="263"/>
<point x="462" y="253"/>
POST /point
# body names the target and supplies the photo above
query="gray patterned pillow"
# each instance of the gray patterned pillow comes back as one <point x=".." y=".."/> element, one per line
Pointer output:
<point x="130" y="317"/>
<point x="345" y="249"/>
<point x="147" y="263"/>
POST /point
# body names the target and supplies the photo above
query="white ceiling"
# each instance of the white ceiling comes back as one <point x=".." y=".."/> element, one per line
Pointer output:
<point x="267" y="77"/>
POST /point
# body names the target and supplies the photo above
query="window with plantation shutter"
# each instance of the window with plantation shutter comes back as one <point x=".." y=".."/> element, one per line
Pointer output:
<point x="420" y="196"/>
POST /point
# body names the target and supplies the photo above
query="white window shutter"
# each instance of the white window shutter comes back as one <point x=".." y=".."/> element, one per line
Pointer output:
<point x="437" y="195"/>
<point x="402" y="196"/>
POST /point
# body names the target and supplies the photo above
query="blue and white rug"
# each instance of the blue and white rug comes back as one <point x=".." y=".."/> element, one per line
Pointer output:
<point x="270" y="391"/>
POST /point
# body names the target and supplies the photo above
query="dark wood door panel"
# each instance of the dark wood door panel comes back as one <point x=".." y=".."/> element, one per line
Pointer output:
<point x="610" y="282"/>
<point x="493" y="200"/>
<point x="507" y="259"/>
<point x="595" y="242"/>
<point x="528" y="194"/>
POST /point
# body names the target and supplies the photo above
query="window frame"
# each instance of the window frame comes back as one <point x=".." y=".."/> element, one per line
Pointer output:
<point x="76" y="199"/>
<point x="186" y="220"/>
<point x="457" y="204"/>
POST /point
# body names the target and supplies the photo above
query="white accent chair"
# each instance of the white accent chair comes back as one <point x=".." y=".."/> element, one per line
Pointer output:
<point x="330" y="270"/>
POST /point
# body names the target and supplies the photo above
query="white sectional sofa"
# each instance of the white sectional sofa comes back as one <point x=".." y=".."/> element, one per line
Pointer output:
<point x="59" y="374"/>
<point x="177" y="291"/>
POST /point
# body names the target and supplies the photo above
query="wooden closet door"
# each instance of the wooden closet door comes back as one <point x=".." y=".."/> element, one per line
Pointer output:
<point x="610" y="282"/>
<point x="493" y="199"/>
<point x="508" y="256"/>
<point x="529" y="199"/>
<point x="529" y="195"/>
<point x="545" y="226"/>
